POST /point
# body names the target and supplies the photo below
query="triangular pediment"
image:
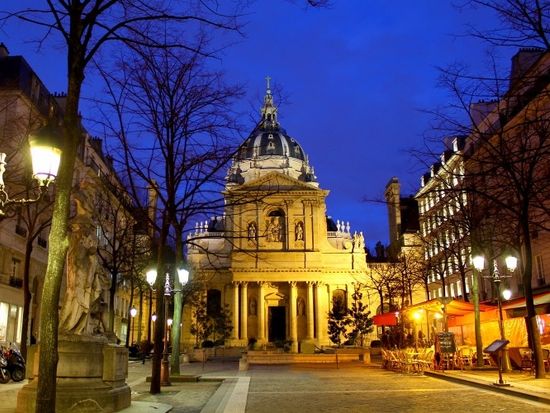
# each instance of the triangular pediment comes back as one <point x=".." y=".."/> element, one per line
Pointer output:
<point x="277" y="182"/>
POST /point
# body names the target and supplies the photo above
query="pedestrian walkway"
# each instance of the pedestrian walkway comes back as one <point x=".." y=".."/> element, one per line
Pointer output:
<point x="220" y="387"/>
<point x="520" y="384"/>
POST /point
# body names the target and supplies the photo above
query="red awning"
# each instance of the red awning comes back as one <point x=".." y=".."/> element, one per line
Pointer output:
<point x="386" y="319"/>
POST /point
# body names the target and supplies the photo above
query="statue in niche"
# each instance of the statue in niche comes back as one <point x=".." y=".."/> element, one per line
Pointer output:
<point x="252" y="307"/>
<point x="301" y="307"/>
<point x="274" y="229"/>
<point x="81" y="310"/>
<point x="299" y="231"/>
<point x="252" y="231"/>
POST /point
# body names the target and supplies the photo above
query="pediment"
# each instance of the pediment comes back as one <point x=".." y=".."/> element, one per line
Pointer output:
<point x="277" y="182"/>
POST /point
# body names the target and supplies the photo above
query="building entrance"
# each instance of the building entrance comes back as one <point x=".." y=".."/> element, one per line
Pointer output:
<point x="277" y="323"/>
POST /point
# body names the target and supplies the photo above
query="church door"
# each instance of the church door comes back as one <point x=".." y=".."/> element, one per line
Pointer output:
<point x="277" y="324"/>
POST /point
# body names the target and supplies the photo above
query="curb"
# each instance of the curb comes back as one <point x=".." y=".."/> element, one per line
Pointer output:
<point x="510" y="391"/>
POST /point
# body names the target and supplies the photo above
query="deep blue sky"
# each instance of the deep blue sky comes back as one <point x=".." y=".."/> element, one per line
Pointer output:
<point x="356" y="76"/>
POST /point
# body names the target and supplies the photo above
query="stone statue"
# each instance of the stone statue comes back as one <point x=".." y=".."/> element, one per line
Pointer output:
<point x="81" y="309"/>
<point x="299" y="231"/>
<point x="274" y="230"/>
<point x="252" y="231"/>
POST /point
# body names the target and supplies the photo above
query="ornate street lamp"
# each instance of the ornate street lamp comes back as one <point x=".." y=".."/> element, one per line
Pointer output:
<point x="45" y="156"/>
<point x="511" y="265"/>
<point x="183" y="277"/>
<point x="133" y="313"/>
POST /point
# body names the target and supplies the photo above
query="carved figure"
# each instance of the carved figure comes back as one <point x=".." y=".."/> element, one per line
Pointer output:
<point x="301" y="307"/>
<point x="299" y="231"/>
<point x="252" y="231"/>
<point x="274" y="230"/>
<point x="84" y="280"/>
<point x="252" y="307"/>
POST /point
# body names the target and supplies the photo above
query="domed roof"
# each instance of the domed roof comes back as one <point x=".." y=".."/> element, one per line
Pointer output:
<point x="269" y="147"/>
<point x="269" y="138"/>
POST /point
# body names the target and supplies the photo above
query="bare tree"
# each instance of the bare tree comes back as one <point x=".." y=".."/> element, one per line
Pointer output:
<point x="176" y="133"/>
<point x="522" y="22"/>
<point x="86" y="27"/>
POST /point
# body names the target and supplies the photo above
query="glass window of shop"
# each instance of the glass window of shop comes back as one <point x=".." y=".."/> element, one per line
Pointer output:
<point x="11" y="321"/>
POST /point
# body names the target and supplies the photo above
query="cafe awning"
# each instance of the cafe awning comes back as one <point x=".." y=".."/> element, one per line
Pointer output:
<point x="538" y="299"/>
<point x="385" y="319"/>
<point x="453" y="308"/>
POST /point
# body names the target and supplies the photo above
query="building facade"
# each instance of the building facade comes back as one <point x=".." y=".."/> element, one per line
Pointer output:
<point x="275" y="259"/>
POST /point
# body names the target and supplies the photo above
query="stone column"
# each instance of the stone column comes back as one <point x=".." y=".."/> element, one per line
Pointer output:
<point x="261" y="312"/>
<point x="235" y="314"/>
<point x="244" y="312"/>
<point x="321" y="325"/>
<point x="293" y="316"/>
<point x="309" y="310"/>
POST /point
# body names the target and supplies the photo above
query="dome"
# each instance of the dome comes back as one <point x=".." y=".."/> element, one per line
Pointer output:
<point x="270" y="148"/>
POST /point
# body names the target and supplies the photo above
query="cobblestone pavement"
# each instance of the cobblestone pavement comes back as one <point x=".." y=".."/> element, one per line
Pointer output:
<point x="286" y="389"/>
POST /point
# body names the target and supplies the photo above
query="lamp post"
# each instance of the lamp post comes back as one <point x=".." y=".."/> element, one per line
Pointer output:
<point x="479" y="264"/>
<point x="511" y="265"/>
<point x="133" y="312"/>
<point x="183" y="276"/>
<point x="45" y="155"/>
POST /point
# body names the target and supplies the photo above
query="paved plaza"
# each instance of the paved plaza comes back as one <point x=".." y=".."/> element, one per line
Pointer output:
<point x="220" y="387"/>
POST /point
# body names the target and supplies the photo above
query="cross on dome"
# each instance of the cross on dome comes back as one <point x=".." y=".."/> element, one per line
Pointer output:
<point x="269" y="111"/>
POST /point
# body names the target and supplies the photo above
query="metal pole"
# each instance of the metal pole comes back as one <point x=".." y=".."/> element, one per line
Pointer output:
<point x="505" y="358"/>
<point x="165" y="365"/>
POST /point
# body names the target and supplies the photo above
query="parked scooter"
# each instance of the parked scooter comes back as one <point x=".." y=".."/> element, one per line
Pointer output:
<point x="15" y="363"/>
<point x="4" y="372"/>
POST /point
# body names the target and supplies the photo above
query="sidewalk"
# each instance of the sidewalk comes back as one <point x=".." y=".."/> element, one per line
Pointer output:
<point x="521" y="384"/>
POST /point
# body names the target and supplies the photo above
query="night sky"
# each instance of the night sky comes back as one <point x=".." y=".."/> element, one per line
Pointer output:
<point x="357" y="77"/>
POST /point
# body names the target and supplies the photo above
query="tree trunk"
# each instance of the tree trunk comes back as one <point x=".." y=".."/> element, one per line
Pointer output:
<point x="26" y="295"/>
<point x="112" y="294"/>
<point x="58" y="245"/>
<point x="531" y="319"/>
<point x="178" y="304"/>
<point x="477" y="320"/>
<point x="130" y="318"/>
<point x="160" y="324"/>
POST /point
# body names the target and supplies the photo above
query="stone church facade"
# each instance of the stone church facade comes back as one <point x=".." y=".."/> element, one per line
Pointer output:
<point x="275" y="259"/>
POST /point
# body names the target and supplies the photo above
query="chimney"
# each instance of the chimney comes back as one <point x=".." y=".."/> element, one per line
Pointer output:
<point x="4" y="52"/>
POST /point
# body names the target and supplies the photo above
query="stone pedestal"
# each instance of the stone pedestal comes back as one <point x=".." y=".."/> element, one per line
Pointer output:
<point x="91" y="376"/>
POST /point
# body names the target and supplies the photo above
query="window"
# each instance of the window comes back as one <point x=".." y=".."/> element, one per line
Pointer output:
<point x="213" y="302"/>
<point x="540" y="267"/>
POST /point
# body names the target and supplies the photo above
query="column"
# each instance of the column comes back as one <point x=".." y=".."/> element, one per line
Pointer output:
<point x="309" y="310"/>
<point x="321" y="324"/>
<point x="261" y="313"/>
<point x="244" y="312"/>
<point x="293" y="316"/>
<point x="235" y="314"/>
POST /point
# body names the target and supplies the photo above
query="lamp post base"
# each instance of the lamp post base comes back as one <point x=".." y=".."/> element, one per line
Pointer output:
<point x="498" y="384"/>
<point x="165" y="371"/>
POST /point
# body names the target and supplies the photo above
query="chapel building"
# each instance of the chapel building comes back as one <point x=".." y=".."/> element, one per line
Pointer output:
<point x="275" y="259"/>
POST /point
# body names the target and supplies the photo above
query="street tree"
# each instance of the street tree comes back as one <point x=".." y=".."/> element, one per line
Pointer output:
<point x="360" y="320"/>
<point x="85" y="27"/>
